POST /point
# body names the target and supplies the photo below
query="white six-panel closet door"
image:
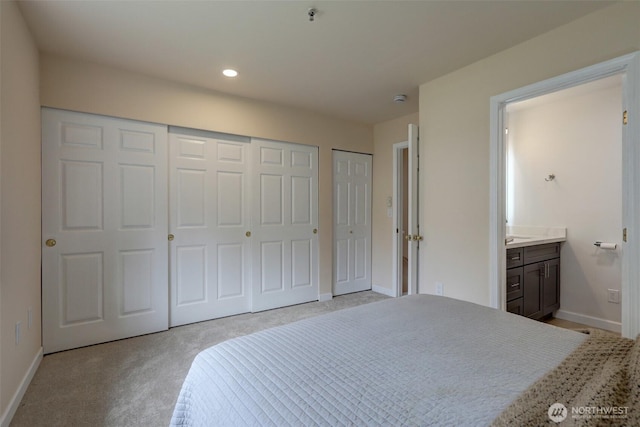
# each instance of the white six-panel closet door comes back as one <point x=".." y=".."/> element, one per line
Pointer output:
<point x="285" y="224"/>
<point x="352" y="222"/>
<point x="104" y="222"/>
<point x="210" y="227"/>
<point x="237" y="223"/>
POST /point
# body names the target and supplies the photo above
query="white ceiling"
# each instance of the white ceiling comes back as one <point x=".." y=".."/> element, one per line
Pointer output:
<point x="348" y="63"/>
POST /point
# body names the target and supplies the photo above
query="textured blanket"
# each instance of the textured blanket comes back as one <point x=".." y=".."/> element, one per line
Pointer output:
<point x="420" y="360"/>
<point x="596" y="385"/>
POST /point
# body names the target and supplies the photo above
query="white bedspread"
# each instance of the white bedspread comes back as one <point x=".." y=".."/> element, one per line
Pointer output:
<point x="418" y="360"/>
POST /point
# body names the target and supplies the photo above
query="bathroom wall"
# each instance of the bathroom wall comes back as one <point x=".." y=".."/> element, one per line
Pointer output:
<point x="576" y="135"/>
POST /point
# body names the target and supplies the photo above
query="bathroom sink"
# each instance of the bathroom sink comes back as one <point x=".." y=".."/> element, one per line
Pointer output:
<point x="510" y="240"/>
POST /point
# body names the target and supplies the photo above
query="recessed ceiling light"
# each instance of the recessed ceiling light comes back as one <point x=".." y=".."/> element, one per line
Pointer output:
<point x="229" y="72"/>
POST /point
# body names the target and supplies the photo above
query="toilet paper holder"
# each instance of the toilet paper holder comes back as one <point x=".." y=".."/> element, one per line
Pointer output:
<point x="604" y="245"/>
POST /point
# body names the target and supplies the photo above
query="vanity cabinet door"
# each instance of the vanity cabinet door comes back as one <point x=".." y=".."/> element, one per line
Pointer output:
<point x="532" y="295"/>
<point x="551" y="286"/>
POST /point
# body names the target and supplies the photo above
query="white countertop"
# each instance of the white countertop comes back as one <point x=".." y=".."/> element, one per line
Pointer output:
<point x="531" y="236"/>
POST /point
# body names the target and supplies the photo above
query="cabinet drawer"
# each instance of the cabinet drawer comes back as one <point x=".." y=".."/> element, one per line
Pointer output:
<point x="539" y="253"/>
<point x="514" y="257"/>
<point x="514" y="283"/>
<point x="515" y="306"/>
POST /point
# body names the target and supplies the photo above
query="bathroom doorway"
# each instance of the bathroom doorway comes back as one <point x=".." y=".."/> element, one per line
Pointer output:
<point x="628" y="67"/>
<point x="564" y="172"/>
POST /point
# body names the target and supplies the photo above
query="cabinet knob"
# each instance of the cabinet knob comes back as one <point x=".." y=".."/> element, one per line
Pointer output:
<point x="50" y="243"/>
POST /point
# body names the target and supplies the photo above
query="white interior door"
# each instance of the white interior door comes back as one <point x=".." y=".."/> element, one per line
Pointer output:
<point x="413" y="226"/>
<point x="285" y="224"/>
<point x="351" y="222"/>
<point x="104" y="220"/>
<point x="209" y="222"/>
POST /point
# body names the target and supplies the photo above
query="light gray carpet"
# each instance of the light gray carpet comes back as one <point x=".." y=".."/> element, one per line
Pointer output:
<point x="135" y="382"/>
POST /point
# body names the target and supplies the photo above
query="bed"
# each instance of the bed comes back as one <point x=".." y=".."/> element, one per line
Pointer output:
<point x="416" y="360"/>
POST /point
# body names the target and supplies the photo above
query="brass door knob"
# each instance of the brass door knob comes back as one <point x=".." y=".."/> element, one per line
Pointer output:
<point x="50" y="243"/>
<point x="315" y="231"/>
<point x="171" y="237"/>
<point x="248" y="234"/>
<point x="408" y="237"/>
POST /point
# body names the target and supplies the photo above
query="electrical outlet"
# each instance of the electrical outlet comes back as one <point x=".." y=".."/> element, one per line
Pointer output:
<point x="439" y="288"/>
<point x="18" y="333"/>
<point x="614" y="296"/>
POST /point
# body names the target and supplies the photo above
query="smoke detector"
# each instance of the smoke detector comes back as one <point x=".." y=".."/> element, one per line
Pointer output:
<point x="399" y="99"/>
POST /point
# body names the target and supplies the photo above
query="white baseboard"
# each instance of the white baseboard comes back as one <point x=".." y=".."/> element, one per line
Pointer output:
<point x="17" y="396"/>
<point x="594" y="322"/>
<point x="384" y="291"/>
<point x="325" y="297"/>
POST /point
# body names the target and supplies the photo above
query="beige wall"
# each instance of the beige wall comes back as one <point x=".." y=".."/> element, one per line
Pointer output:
<point x="384" y="136"/>
<point x="20" y="206"/>
<point x="91" y="88"/>
<point x="454" y="140"/>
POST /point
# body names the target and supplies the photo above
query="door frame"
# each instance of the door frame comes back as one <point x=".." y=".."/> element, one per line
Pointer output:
<point x="397" y="212"/>
<point x="413" y="214"/>
<point x="629" y="67"/>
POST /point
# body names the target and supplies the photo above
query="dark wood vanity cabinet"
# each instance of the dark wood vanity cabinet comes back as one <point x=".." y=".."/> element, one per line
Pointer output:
<point x="533" y="284"/>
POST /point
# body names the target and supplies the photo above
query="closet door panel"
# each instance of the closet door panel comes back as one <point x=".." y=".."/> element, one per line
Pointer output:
<point x="104" y="222"/>
<point x="209" y="219"/>
<point x="285" y="221"/>
<point x="352" y="222"/>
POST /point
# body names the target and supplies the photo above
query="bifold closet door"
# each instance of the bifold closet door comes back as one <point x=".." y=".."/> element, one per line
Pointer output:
<point x="352" y="222"/>
<point x="104" y="228"/>
<point x="285" y="224"/>
<point x="210" y="227"/>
